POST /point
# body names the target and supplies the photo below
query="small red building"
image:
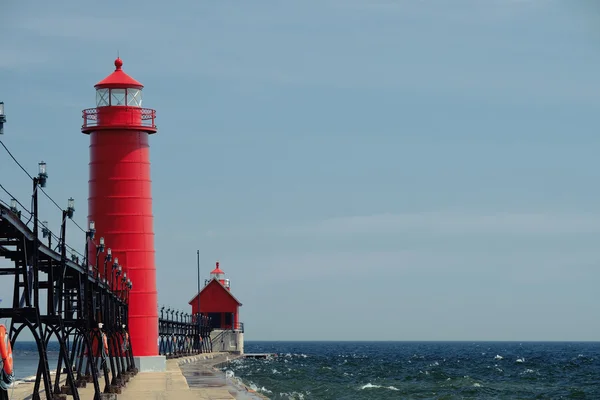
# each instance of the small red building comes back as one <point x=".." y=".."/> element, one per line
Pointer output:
<point x="216" y="301"/>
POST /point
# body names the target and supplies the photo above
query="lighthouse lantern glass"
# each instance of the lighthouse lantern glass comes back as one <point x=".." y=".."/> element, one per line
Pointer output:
<point x="117" y="97"/>
<point x="218" y="277"/>
<point x="134" y="97"/>
<point x="102" y="98"/>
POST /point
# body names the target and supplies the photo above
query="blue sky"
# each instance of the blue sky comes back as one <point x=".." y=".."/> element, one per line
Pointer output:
<point x="408" y="170"/>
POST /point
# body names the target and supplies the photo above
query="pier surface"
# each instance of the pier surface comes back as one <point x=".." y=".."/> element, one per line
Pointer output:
<point x="205" y="383"/>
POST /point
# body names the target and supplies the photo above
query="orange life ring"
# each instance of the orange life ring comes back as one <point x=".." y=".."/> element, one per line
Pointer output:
<point x="6" y="351"/>
<point x="105" y="343"/>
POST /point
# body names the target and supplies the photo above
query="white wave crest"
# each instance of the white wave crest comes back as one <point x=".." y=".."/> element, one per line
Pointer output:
<point x="371" y="386"/>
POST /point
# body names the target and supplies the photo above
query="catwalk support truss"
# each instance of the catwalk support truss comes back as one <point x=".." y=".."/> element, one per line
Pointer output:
<point x="76" y="305"/>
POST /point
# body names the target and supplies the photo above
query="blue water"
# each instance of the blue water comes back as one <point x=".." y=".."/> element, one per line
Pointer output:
<point x="428" y="370"/>
<point x="405" y="370"/>
<point x="25" y="358"/>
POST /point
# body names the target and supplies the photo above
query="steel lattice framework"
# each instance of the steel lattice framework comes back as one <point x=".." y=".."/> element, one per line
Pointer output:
<point x="86" y="314"/>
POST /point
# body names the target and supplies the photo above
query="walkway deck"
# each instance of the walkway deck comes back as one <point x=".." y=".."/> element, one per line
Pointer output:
<point x="172" y="384"/>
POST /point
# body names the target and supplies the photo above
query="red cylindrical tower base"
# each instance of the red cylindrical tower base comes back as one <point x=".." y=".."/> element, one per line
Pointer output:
<point x="120" y="203"/>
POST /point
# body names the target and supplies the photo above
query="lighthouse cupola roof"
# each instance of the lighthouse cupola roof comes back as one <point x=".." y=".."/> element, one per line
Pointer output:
<point x="219" y="275"/>
<point x="217" y="272"/>
<point x="118" y="89"/>
<point x="118" y="79"/>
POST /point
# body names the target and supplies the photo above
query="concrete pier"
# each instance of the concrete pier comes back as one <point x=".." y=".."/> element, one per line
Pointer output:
<point x="205" y="383"/>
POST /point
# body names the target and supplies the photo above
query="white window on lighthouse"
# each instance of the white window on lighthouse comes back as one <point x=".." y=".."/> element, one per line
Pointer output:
<point x="117" y="97"/>
<point x="134" y="97"/>
<point x="102" y="98"/>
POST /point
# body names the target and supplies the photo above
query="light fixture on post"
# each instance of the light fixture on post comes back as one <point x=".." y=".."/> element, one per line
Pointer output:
<point x="124" y="285"/>
<point x="99" y="249"/>
<point x="45" y="230"/>
<point x="117" y="284"/>
<point x="2" y="118"/>
<point x="42" y="175"/>
<point x="70" y="207"/>
<point x="116" y="266"/>
<point x="112" y="268"/>
<point x="68" y="213"/>
<point x="91" y="230"/>
<point x="13" y="207"/>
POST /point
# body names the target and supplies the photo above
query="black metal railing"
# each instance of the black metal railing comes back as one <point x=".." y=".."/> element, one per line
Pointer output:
<point x="239" y="327"/>
<point x="85" y="312"/>
<point x="182" y="334"/>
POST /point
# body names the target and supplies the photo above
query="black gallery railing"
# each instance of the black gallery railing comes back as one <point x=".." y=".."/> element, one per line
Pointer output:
<point x="182" y="334"/>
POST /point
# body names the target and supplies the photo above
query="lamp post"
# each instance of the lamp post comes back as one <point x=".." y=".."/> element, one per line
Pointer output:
<point x="39" y="180"/>
<point x="89" y="235"/>
<point x="129" y="287"/>
<point x="46" y="233"/>
<point x="117" y="268"/>
<point x="99" y="249"/>
<point x="124" y="286"/>
<point x="66" y="214"/>
<point x="2" y="118"/>
<point x="107" y="259"/>
<point x="198" y="262"/>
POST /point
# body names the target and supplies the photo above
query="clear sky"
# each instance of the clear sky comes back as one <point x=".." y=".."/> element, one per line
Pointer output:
<point x="401" y="170"/>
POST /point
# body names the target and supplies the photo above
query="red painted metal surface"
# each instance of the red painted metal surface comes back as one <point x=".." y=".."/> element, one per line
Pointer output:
<point x="118" y="79"/>
<point x="120" y="203"/>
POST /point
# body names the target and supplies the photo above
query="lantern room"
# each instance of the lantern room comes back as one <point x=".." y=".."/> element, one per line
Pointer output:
<point x="219" y="275"/>
<point x="119" y="89"/>
<point x="119" y="105"/>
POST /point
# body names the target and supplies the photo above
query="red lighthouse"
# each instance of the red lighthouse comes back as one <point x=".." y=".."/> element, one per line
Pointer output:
<point x="120" y="198"/>
<point x="216" y="301"/>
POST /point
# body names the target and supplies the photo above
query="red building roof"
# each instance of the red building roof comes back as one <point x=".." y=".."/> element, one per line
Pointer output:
<point x="118" y="79"/>
<point x="214" y="282"/>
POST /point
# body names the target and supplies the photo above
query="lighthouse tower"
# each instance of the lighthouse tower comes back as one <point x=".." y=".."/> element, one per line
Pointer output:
<point x="120" y="200"/>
